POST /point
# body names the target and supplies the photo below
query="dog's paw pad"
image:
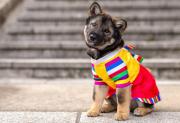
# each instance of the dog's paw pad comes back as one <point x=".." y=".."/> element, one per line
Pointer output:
<point x="121" y="116"/>
<point x="92" y="113"/>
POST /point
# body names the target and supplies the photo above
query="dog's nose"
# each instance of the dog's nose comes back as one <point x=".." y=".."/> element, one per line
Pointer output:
<point x="93" y="37"/>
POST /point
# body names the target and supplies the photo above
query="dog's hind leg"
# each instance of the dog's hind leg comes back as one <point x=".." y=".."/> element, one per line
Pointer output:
<point x="143" y="109"/>
<point x="109" y="105"/>
<point x="99" y="94"/>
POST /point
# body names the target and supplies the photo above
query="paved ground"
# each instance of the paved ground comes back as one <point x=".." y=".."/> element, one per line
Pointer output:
<point x="67" y="95"/>
<point x="75" y="117"/>
<point x="61" y="101"/>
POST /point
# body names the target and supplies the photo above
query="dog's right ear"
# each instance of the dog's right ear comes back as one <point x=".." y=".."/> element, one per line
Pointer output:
<point x="95" y="9"/>
<point x="121" y="24"/>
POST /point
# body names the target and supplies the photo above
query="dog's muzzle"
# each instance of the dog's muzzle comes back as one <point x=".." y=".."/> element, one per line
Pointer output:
<point x="94" y="38"/>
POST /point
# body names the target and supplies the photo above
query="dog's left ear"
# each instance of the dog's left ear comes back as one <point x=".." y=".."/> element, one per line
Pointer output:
<point x="121" y="24"/>
<point x="95" y="9"/>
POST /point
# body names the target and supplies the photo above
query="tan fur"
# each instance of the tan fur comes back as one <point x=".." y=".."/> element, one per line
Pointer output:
<point x="123" y="104"/>
<point x="100" y="93"/>
<point x="107" y="107"/>
<point x="142" y="111"/>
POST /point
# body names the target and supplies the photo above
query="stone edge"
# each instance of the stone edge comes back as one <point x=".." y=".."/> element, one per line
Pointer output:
<point x="6" y="8"/>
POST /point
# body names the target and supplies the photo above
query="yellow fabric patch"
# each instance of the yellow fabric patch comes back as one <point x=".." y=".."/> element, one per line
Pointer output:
<point x="132" y="67"/>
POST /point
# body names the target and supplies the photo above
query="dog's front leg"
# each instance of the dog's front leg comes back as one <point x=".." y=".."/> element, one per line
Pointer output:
<point x="99" y="93"/>
<point x="123" y="96"/>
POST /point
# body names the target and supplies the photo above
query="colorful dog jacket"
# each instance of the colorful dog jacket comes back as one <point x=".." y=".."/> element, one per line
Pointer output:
<point x="122" y="68"/>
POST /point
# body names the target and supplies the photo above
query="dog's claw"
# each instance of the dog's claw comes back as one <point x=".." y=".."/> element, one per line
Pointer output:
<point x="121" y="116"/>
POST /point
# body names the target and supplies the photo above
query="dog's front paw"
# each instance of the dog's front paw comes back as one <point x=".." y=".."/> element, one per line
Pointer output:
<point x="93" y="113"/>
<point x="121" y="116"/>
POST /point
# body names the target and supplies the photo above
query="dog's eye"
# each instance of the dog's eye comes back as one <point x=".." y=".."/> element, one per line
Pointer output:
<point x="106" y="31"/>
<point x="93" y="24"/>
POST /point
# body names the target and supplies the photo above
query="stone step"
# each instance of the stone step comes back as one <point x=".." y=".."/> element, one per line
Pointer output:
<point x="42" y="49"/>
<point x="78" y="30"/>
<point x="77" y="49"/>
<point x="82" y="23"/>
<point x="55" y="37"/>
<point x="147" y="32"/>
<point x="76" y="68"/>
<point x="45" y="37"/>
<point x="81" y="16"/>
<point x="135" y="24"/>
<point x="110" y="5"/>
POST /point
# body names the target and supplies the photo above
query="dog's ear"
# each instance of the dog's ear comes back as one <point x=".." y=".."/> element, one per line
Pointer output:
<point x="121" y="24"/>
<point x="95" y="9"/>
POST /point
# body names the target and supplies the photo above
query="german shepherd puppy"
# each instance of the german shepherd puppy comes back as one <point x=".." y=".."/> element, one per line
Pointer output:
<point x="103" y="35"/>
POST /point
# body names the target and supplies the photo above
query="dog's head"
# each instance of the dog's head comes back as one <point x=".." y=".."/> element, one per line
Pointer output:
<point x="102" y="32"/>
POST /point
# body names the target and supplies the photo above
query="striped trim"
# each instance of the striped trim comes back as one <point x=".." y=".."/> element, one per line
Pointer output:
<point x="95" y="76"/>
<point x="123" y="85"/>
<point x="106" y="57"/>
<point x="150" y="100"/>
<point x="117" y="69"/>
<point x="137" y="57"/>
<point x="99" y="83"/>
<point x="127" y="47"/>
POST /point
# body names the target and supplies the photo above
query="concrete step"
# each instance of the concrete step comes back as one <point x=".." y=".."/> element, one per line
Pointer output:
<point x="81" y="23"/>
<point x="135" y="32"/>
<point x="44" y="37"/>
<point x="75" y="68"/>
<point x="42" y="49"/>
<point x="79" y="16"/>
<point x="142" y="13"/>
<point x="77" y="49"/>
<point x="110" y="5"/>
<point x="78" y="30"/>
<point x="148" y="37"/>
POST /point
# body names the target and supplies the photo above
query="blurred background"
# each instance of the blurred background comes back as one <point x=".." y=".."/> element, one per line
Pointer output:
<point x="44" y="38"/>
<point x="42" y="41"/>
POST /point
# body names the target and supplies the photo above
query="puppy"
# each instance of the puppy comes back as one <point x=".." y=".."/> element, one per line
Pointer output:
<point x="121" y="82"/>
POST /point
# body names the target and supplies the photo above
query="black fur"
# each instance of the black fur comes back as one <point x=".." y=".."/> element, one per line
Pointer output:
<point x="119" y="42"/>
